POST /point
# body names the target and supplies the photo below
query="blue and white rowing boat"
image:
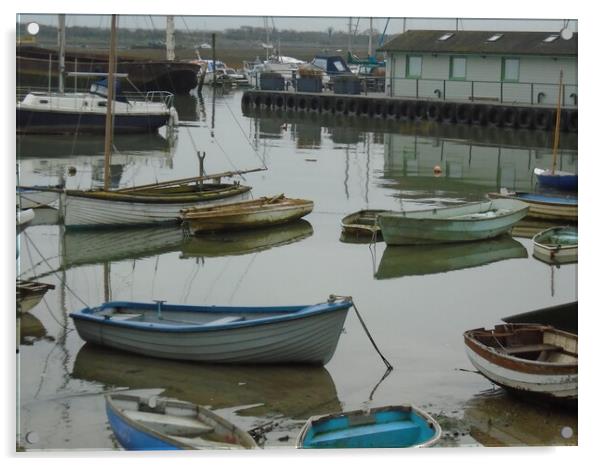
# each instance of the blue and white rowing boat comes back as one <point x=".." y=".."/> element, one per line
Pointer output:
<point x="237" y="335"/>
<point x="545" y="206"/>
<point x="142" y="422"/>
<point x="385" y="427"/>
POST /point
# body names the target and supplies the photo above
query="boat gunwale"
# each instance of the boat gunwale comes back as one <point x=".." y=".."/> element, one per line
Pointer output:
<point x="554" y="201"/>
<point x="292" y="313"/>
<point x="554" y="246"/>
<point x="430" y="421"/>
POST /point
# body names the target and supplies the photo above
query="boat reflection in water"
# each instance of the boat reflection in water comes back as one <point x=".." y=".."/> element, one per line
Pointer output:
<point x="496" y="419"/>
<point x="292" y="392"/>
<point x="245" y="242"/>
<point x="404" y="261"/>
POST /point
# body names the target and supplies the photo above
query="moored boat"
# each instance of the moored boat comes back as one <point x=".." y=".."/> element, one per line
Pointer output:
<point x="557" y="245"/>
<point x="528" y="359"/>
<point x="467" y="222"/>
<point x="561" y="180"/>
<point x="544" y="206"/>
<point x="257" y="213"/>
<point x="362" y="223"/>
<point x="251" y="335"/>
<point x="142" y="422"/>
<point x="384" y="427"/>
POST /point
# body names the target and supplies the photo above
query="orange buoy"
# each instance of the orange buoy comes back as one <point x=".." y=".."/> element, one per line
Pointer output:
<point x="437" y="170"/>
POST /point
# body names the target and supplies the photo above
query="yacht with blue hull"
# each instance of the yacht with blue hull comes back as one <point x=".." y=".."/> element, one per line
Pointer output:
<point x="85" y="112"/>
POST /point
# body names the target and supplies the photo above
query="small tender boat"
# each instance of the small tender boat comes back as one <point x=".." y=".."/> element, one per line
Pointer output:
<point x="24" y="216"/>
<point x="564" y="181"/>
<point x="29" y="294"/>
<point x="557" y="245"/>
<point x="385" y="427"/>
<point x="362" y="223"/>
<point x="153" y="423"/>
<point x="545" y="206"/>
<point x="467" y="222"/>
<point x="257" y="213"/>
<point x="238" y="335"/>
<point x="562" y="317"/>
<point x="528" y="359"/>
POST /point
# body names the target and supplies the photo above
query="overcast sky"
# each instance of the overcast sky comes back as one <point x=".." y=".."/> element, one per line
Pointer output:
<point x="216" y="23"/>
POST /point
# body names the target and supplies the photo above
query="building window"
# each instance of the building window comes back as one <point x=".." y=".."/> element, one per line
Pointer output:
<point x="414" y="66"/>
<point x="510" y="67"/>
<point x="457" y="68"/>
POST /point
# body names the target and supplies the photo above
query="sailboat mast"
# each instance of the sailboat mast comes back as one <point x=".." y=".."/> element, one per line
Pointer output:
<point x="110" y="98"/>
<point x="557" y="127"/>
<point x="61" y="41"/>
<point x="170" y="43"/>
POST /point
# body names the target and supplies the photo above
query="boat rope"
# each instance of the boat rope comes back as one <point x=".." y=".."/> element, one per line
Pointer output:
<point x="385" y="375"/>
<point x="54" y="272"/>
<point x="332" y="298"/>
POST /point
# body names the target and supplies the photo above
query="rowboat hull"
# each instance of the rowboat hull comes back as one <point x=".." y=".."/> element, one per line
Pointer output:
<point x="97" y="208"/>
<point x="362" y="224"/>
<point x="386" y="427"/>
<point x="245" y="215"/>
<point x="451" y="224"/>
<point x="141" y="423"/>
<point x="305" y="334"/>
<point x="553" y="379"/>
<point x="545" y="207"/>
<point x="563" y="181"/>
<point x="556" y="245"/>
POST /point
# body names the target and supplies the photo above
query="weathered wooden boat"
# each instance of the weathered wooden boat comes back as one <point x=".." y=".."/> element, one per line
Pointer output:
<point x="545" y="206"/>
<point x="262" y="212"/>
<point x="155" y="423"/>
<point x="560" y="180"/>
<point x="526" y="359"/>
<point x="405" y="261"/>
<point x="85" y="112"/>
<point x="362" y="224"/>
<point x="242" y="242"/>
<point x="384" y="427"/>
<point x="557" y="245"/>
<point x="562" y="317"/>
<point x="265" y="390"/>
<point x="29" y="294"/>
<point x="245" y="335"/>
<point x="467" y="222"/>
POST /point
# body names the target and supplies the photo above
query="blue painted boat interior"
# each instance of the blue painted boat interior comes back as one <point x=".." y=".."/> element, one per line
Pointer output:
<point x="385" y="429"/>
<point x="548" y="198"/>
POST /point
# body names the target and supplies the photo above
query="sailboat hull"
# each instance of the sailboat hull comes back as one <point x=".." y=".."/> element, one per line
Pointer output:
<point x="111" y="209"/>
<point x="563" y="181"/>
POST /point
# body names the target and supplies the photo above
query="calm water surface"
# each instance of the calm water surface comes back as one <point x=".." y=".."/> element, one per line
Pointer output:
<point x="416" y="302"/>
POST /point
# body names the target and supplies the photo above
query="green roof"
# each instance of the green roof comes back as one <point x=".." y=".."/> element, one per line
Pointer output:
<point x="514" y="42"/>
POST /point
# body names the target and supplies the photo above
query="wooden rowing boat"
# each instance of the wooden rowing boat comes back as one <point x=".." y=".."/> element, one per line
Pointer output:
<point x="29" y="294"/>
<point x="467" y="222"/>
<point x="362" y="224"/>
<point x="246" y="335"/>
<point x="263" y="212"/>
<point x="385" y="427"/>
<point x="557" y="245"/>
<point x="142" y="422"/>
<point x="527" y="359"/>
<point x="544" y="206"/>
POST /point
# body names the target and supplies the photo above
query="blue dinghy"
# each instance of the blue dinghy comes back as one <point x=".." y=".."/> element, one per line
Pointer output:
<point x="142" y="422"/>
<point x="543" y="205"/>
<point x="384" y="427"/>
<point x="560" y="180"/>
<point x="237" y="335"/>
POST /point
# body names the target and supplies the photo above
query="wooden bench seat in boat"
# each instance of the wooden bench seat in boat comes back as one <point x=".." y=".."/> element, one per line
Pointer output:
<point x="530" y="349"/>
<point x="399" y="429"/>
<point x="169" y="424"/>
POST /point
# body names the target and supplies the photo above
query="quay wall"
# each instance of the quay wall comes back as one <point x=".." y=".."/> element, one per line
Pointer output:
<point x="403" y="109"/>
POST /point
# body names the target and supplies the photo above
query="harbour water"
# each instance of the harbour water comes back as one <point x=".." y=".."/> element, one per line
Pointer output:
<point x="416" y="303"/>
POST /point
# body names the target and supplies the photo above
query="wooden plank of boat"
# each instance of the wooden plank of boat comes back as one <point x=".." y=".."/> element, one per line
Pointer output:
<point x="384" y="427"/>
<point x="544" y="206"/>
<point x="557" y="245"/>
<point x="467" y="222"/>
<point x="562" y="317"/>
<point x="153" y="423"/>
<point x="528" y="359"/>
<point x="362" y="223"/>
<point x="255" y="335"/>
<point x="262" y="212"/>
